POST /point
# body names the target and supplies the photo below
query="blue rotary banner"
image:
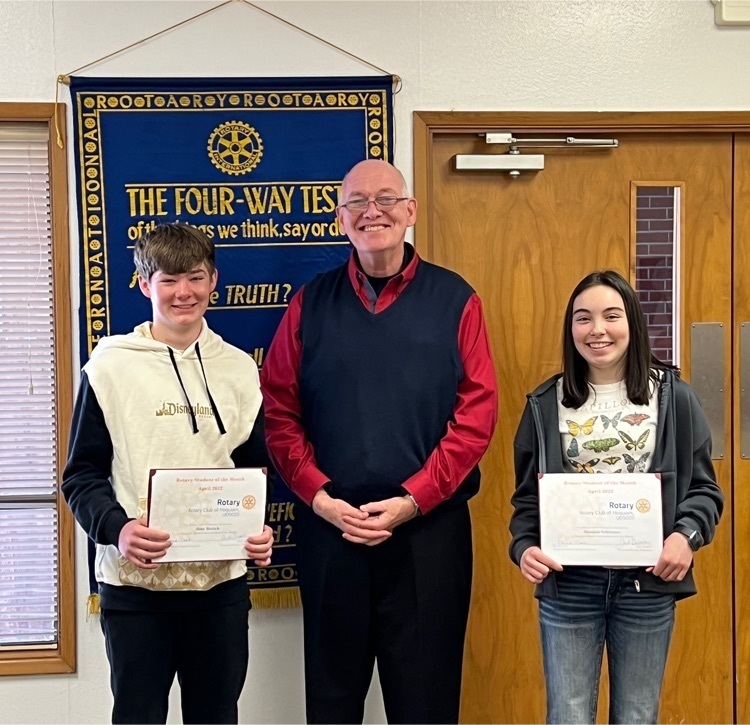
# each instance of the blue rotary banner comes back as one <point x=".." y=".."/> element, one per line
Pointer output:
<point x="254" y="162"/>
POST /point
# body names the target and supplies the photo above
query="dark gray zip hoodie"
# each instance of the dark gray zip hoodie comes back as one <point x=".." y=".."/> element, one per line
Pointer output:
<point x="691" y="497"/>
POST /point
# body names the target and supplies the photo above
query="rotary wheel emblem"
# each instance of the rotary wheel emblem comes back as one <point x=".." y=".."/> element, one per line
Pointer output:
<point x="235" y="148"/>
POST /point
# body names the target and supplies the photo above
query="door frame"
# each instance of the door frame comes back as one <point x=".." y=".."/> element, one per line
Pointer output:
<point x="429" y="124"/>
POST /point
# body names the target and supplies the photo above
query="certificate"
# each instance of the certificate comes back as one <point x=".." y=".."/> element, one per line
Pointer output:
<point x="207" y="512"/>
<point x="601" y="519"/>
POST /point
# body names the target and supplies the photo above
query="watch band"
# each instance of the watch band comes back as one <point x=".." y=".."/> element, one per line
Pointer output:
<point x="694" y="538"/>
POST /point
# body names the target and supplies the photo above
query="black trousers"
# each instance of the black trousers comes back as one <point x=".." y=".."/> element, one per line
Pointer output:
<point x="207" y="649"/>
<point x="404" y="603"/>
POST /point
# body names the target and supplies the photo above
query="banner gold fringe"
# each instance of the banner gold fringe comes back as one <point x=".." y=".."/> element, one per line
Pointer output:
<point x="286" y="598"/>
<point x="92" y="605"/>
<point x="276" y="598"/>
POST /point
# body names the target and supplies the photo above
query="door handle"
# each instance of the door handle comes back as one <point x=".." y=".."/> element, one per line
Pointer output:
<point x="707" y="377"/>
<point x="745" y="390"/>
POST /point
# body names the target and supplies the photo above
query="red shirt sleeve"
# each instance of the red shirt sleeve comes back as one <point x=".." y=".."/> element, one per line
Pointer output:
<point x="474" y="417"/>
<point x="291" y="451"/>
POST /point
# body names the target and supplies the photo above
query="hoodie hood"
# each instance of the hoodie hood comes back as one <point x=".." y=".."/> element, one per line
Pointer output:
<point x="140" y="339"/>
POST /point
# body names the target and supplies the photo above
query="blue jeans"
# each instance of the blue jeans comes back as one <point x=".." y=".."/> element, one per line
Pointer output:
<point x="597" y="606"/>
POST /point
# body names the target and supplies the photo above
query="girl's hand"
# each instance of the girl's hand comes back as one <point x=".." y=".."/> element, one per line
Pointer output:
<point x="674" y="560"/>
<point x="535" y="565"/>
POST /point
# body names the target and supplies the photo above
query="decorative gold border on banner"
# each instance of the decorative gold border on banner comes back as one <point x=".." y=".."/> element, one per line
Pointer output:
<point x="92" y="104"/>
<point x="91" y="194"/>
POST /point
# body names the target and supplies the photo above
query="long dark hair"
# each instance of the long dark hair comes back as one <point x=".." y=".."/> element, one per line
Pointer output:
<point x="640" y="363"/>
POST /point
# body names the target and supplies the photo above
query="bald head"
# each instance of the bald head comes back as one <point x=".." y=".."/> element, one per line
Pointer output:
<point x="374" y="167"/>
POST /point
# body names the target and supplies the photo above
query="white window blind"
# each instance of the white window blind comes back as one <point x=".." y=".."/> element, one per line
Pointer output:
<point x="28" y="434"/>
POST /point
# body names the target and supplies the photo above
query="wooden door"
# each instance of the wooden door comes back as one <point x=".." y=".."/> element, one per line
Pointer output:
<point x="523" y="244"/>
<point x="741" y="330"/>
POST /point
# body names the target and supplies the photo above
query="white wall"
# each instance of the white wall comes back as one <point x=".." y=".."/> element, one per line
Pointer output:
<point x="491" y="55"/>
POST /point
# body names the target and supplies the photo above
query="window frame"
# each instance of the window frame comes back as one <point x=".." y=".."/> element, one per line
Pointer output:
<point x="61" y="658"/>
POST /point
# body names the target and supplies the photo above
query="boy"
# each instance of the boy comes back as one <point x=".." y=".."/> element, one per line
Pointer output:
<point x="171" y="394"/>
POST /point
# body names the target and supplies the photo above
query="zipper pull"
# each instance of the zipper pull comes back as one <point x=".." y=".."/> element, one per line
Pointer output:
<point x="637" y="586"/>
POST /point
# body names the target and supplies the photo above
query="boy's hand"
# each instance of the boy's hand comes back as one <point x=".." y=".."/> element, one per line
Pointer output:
<point x="259" y="547"/>
<point x="139" y="544"/>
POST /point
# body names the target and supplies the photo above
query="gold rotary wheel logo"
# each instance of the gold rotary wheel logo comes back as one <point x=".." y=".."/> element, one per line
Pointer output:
<point x="235" y="148"/>
<point x="248" y="502"/>
<point x="643" y="505"/>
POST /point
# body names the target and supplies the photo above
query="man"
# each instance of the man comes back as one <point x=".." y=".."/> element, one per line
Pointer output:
<point x="187" y="618"/>
<point x="380" y="399"/>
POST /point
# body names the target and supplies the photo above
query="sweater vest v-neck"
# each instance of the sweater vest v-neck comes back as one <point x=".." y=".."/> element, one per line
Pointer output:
<point x="378" y="390"/>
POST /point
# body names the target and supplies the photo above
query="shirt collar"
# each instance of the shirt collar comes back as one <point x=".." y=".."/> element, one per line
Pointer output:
<point x="358" y="278"/>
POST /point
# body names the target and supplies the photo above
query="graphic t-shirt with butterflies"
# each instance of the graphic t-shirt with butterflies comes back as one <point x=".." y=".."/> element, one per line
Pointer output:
<point x="608" y="433"/>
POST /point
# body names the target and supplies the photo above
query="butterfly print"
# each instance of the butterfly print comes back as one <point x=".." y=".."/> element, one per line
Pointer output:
<point x="602" y="445"/>
<point x="611" y="460"/>
<point x="614" y="420"/>
<point x="572" y="449"/>
<point x="585" y="466"/>
<point x="632" y="445"/>
<point x="634" y="466"/>
<point x="587" y="427"/>
<point x="635" y="418"/>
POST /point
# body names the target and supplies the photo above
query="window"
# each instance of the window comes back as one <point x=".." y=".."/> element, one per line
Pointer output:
<point x="657" y="265"/>
<point x="37" y="621"/>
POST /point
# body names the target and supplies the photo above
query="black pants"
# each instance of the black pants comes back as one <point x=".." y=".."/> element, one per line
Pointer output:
<point x="207" y="649"/>
<point x="404" y="603"/>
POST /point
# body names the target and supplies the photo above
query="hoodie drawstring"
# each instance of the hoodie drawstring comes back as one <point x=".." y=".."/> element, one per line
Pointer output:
<point x="184" y="392"/>
<point x="219" y="422"/>
<point x="193" y="419"/>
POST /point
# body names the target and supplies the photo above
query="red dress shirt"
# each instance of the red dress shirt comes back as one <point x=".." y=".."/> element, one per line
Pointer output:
<point x="459" y="450"/>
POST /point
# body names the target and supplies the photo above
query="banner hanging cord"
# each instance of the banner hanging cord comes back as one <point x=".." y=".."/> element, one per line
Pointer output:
<point x="65" y="77"/>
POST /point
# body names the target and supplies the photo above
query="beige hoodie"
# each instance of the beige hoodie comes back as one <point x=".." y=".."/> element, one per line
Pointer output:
<point x="150" y="423"/>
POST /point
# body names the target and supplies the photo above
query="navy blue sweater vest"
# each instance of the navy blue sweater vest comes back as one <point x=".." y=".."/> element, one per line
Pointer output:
<point x="378" y="391"/>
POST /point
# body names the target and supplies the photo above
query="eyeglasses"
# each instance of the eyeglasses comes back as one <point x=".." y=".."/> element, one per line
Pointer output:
<point x="381" y="202"/>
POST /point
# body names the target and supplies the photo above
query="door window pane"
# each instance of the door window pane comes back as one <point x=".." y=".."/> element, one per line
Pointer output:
<point x="657" y="265"/>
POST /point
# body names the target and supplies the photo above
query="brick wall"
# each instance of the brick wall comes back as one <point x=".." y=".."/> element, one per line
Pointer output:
<point x="655" y="264"/>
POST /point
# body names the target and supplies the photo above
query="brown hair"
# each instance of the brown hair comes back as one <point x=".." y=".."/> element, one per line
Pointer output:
<point x="173" y="249"/>
<point x="640" y="362"/>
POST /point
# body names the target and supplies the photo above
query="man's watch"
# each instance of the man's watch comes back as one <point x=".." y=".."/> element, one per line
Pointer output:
<point x="693" y="536"/>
